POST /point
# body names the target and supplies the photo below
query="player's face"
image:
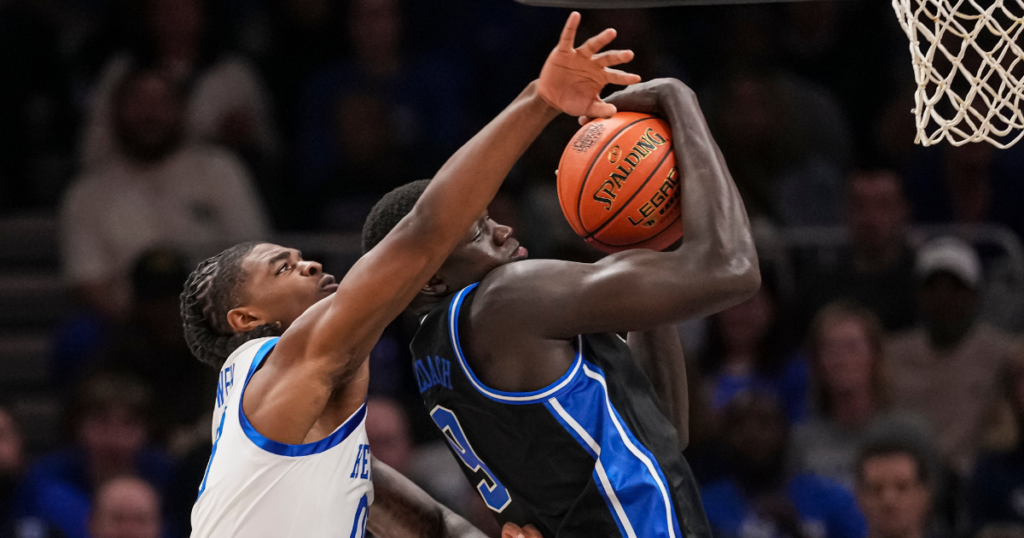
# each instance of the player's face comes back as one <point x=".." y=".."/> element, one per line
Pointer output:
<point x="487" y="246"/>
<point x="280" y="285"/>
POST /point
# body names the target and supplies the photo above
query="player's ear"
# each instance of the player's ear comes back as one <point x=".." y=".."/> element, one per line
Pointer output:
<point x="243" y="319"/>
<point x="436" y="287"/>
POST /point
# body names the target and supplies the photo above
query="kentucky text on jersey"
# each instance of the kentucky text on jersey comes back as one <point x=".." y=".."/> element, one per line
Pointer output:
<point x="436" y="371"/>
<point x="224" y="383"/>
<point x="361" y="469"/>
<point x="257" y="487"/>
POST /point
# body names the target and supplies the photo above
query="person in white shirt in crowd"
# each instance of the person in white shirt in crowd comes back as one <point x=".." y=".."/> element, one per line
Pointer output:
<point x="851" y="396"/>
<point x="165" y="191"/>
<point x="946" y="369"/>
<point x="226" y="102"/>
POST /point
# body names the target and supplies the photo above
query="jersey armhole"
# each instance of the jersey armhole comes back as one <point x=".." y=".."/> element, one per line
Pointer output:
<point x="283" y="449"/>
<point x="514" y="398"/>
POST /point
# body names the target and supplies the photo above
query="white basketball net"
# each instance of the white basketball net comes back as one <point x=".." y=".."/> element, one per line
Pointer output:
<point x="969" y="67"/>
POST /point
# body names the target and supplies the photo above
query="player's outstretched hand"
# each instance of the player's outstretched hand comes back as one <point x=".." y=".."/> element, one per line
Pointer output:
<point x="511" y="530"/>
<point x="572" y="78"/>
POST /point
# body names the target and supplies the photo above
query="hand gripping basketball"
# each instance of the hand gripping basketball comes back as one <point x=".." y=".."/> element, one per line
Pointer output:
<point x="572" y="78"/>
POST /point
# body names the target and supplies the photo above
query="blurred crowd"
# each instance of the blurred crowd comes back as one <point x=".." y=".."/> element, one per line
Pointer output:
<point x="876" y="390"/>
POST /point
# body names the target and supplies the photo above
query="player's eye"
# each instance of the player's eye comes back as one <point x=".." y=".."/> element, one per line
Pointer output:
<point x="479" y="234"/>
<point x="283" y="268"/>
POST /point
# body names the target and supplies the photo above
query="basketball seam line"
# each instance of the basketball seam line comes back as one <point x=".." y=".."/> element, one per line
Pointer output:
<point x="651" y="238"/>
<point x="635" y="194"/>
<point x="593" y="163"/>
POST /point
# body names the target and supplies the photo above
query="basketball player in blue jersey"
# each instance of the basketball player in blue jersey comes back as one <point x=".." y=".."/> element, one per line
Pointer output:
<point x="520" y="366"/>
<point x="290" y="456"/>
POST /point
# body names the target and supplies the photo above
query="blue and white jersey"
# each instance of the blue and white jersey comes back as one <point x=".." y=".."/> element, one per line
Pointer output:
<point x="255" y="487"/>
<point x="589" y="455"/>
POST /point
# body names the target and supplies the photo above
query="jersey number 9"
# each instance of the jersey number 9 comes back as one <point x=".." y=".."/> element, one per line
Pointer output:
<point x="495" y="495"/>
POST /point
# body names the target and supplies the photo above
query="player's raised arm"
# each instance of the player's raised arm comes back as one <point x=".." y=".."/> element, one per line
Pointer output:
<point x="385" y="280"/>
<point x="715" y="267"/>
<point x="330" y="341"/>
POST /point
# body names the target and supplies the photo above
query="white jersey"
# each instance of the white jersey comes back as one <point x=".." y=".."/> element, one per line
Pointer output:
<point x="255" y="487"/>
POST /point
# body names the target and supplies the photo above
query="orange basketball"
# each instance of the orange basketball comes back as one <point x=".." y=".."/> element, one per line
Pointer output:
<point x="618" y="184"/>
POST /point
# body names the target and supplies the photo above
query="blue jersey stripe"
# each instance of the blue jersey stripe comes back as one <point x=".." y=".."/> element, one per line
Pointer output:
<point x="628" y="475"/>
<point x="284" y="449"/>
<point x="520" y="398"/>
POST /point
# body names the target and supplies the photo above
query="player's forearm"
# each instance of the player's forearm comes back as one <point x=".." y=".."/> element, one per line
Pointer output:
<point x="465" y="185"/>
<point x="660" y="353"/>
<point x="402" y="510"/>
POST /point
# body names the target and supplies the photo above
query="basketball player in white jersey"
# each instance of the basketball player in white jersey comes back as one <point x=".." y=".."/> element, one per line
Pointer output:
<point x="290" y="457"/>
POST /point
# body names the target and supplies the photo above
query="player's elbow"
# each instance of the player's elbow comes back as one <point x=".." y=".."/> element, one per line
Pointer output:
<point x="748" y="281"/>
<point x="741" y="278"/>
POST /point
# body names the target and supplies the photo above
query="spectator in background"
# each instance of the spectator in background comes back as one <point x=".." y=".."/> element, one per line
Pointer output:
<point x="386" y="115"/>
<point x="125" y="507"/>
<point x="295" y="38"/>
<point x="150" y="347"/>
<point x="969" y="184"/>
<point x="762" y="500"/>
<point x="224" y="100"/>
<point x="877" y="270"/>
<point x="996" y="492"/>
<point x="895" y="490"/>
<point x="12" y="461"/>
<point x="110" y="422"/>
<point x="786" y="141"/>
<point x="163" y="192"/>
<point x="852" y="397"/>
<point x="945" y="370"/>
<point x="746" y="349"/>
<point x="387" y="428"/>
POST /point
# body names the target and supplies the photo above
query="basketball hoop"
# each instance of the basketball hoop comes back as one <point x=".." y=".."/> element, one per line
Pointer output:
<point x="969" y="67"/>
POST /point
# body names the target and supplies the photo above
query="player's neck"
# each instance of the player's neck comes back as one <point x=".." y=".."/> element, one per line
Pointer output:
<point x="423" y="304"/>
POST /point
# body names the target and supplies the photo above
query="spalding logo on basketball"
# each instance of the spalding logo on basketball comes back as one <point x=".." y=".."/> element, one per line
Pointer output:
<point x="618" y="184"/>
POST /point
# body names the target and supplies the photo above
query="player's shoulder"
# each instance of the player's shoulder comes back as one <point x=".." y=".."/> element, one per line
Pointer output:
<point x="508" y="288"/>
<point x="525" y="274"/>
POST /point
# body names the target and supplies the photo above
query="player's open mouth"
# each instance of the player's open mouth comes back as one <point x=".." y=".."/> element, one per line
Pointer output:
<point x="519" y="253"/>
<point x="328" y="284"/>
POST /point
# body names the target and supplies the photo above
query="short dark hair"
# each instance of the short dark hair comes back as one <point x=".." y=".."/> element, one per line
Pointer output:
<point x="894" y="447"/>
<point x="389" y="211"/>
<point x="211" y="291"/>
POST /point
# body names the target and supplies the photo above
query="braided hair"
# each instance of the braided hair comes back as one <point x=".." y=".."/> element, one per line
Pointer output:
<point x="212" y="290"/>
